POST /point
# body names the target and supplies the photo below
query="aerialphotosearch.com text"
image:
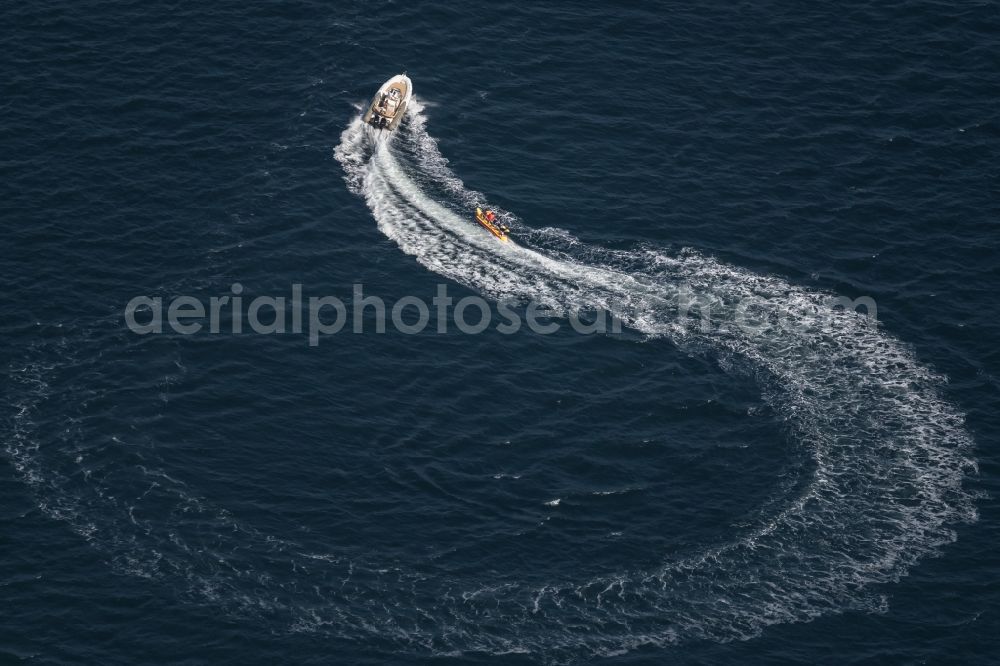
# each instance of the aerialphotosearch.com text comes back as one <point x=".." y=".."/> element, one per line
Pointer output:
<point x="317" y="316"/>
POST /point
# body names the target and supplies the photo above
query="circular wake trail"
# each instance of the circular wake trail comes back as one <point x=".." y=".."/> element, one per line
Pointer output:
<point x="882" y="486"/>
<point x="888" y="453"/>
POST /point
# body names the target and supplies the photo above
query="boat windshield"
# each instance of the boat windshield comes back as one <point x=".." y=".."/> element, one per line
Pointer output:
<point x="390" y="102"/>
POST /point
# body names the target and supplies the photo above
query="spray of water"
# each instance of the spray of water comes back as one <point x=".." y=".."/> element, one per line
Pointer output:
<point x="884" y="487"/>
<point x="889" y="453"/>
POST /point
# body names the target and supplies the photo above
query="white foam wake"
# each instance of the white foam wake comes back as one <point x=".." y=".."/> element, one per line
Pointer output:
<point x="889" y="453"/>
<point x="884" y="487"/>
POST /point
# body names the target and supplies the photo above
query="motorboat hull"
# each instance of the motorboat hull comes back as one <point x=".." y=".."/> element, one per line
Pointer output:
<point x="388" y="107"/>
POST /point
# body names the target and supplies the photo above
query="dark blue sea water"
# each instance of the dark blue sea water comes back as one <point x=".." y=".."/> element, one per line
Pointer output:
<point x="667" y="494"/>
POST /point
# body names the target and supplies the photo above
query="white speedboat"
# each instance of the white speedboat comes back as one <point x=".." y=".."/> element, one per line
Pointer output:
<point x="389" y="104"/>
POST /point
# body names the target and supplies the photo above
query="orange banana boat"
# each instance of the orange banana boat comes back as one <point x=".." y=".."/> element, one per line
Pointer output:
<point x="492" y="225"/>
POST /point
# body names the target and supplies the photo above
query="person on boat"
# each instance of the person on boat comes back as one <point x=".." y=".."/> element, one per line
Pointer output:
<point x="491" y="216"/>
